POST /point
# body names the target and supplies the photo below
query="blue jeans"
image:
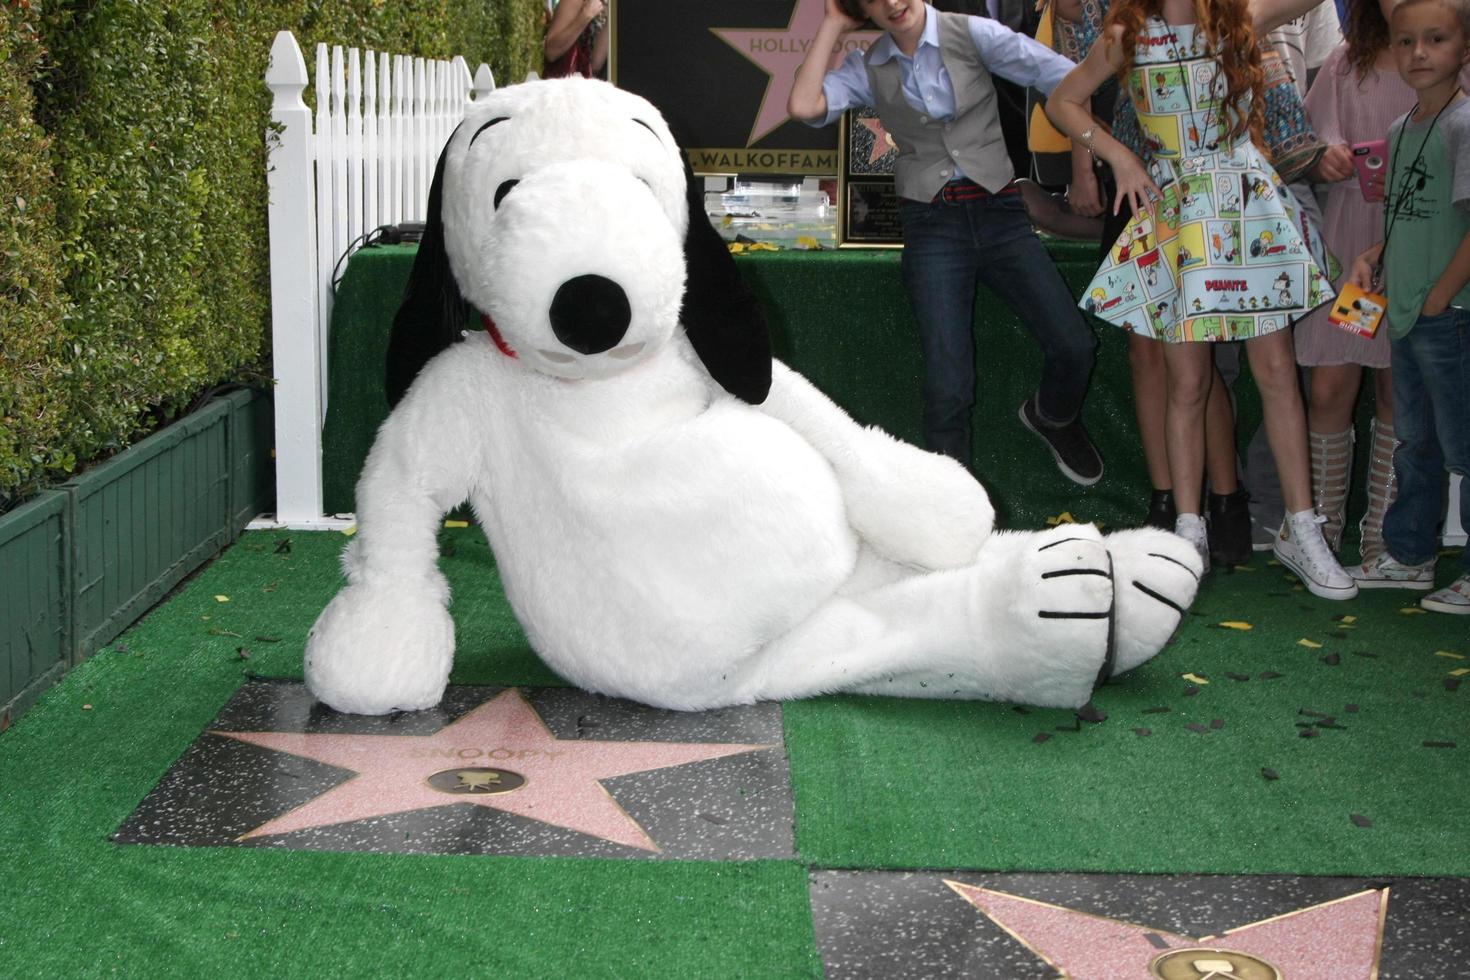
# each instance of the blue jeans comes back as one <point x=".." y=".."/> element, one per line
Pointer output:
<point x="1431" y="418"/>
<point x="947" y="245"/>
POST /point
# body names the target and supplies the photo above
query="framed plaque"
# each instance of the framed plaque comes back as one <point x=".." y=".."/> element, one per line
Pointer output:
<point x="867" y="205"/>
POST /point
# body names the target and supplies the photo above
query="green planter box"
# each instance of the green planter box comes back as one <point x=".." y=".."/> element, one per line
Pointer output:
<point x="253" y="473"/>
<point x="35" y="595"/>
<point x="145" y="519"/>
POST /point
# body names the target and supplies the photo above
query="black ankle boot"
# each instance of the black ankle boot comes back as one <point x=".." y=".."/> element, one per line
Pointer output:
<point x="1230" y="528"/>
<point x="1160" y="510"/>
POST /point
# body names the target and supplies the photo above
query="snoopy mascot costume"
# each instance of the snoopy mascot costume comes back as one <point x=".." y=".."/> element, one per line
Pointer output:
<point x="676" y="517"/>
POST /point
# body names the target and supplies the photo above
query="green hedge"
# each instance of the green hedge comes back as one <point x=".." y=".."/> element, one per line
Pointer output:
<point x="135" y="270"/>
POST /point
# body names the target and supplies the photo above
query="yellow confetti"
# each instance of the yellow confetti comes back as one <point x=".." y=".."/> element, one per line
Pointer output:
<point x="1411" y="611"/>
<point x="1065" y="517"/>
<point x="808" y="242"/>
<point x="1311" y="644"/>
<point x="1194" y="678"/>
<point x="1452" y="656"/>
<point x="1460" y="672"/>
<point x="737" y="247"/>
<point x="456" y="523"/>
<point x="221" y="598"/>
<point x="1348" y="619"/>
<point x="348" y="532"/>
<point x="1235" y="624"/>
<point x="1244" y="568"/>
<point x="764" y="247"/>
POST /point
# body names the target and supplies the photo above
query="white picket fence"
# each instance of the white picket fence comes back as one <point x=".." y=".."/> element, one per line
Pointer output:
<point x="366" y="160"/>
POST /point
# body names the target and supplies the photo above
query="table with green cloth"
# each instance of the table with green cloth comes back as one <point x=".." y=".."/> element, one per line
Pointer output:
<point x="842" y="319"/>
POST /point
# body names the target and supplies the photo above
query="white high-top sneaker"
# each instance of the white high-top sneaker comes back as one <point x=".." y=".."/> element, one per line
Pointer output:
<point x="1301" y="548"/>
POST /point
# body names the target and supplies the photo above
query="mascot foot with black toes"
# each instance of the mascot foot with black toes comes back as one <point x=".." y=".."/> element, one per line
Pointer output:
<point x="1155" y="575"/>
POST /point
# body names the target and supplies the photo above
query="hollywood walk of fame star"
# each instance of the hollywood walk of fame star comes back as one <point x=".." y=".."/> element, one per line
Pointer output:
<point x="1338" y="940"/>
<point x="882" y="142"/>
<point x="560" y="776"/>
<point x="779" y="52"/>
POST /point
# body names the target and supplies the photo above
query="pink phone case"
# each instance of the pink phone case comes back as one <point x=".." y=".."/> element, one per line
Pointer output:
<point x="1371" y="161"/>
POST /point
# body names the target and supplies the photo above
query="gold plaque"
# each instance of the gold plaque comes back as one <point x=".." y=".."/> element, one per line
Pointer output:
<point x="1211" y="964"/>
<point x="475" y="781"/>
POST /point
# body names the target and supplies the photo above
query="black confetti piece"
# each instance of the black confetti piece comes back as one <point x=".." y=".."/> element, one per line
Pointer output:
<point x="1217" y="723"/>
<point x="1091" y="713"/>
<point x="267" y="639"/>
<point x="1332" y="659"/>
<point x="1351" y="709"/>
<point x="284" y="548"/>
<point x="1309" y="733"/>
<point x="713" y="818"/>
<point x="1143" y="732"/>
<point x="1237" y="677"/>
<point x="1156" y="941"/>
<point x="1041" y="737"/>
<point x="1195" y="726"/>
<point x="1327" y="721"/>
<point x="1076" y="726"/>
<point x="1271" y="774"/>
<point x="1268" y="675"/>
<point x="1360" y="820"/>
<point x="1161" y="709"/>
<point x="1191" y="691"/>
<point x="1439" y="745"/>
<point x="1333" y="725"/>
<point x="1451" y="683"/>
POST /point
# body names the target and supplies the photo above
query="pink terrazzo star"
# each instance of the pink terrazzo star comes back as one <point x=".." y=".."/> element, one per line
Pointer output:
<point x="882" y="142"/>
<point x="779" y="52"/>
<point x="1337" y="940"/>
<point x="561" y="776"/>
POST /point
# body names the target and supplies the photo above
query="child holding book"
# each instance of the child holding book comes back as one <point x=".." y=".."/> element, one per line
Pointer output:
<point x="1424" y="260"/>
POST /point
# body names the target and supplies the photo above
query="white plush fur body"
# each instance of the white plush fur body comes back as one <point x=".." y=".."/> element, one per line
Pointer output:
<point x="662" y="540"/>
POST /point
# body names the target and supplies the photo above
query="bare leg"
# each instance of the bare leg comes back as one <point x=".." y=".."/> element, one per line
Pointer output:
<point x="1146" y="362"/>
<point x="1189" y="376"/>
<point x="1383" y="395"/>
<point x="1333" y="395"/>
<point x="1220" y="460"/>
<point x="1273" y="365"/>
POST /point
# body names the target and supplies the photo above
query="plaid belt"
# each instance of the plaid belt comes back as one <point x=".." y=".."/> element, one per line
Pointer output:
<point x="965" y="189"/>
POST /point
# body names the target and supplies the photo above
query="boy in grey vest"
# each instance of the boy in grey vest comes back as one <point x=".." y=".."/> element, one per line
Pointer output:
<point x="929" y="78"/>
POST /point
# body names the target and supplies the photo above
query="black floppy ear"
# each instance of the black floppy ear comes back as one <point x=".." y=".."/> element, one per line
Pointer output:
<point x="721" y="316"/>
<point x="433" y="313"/>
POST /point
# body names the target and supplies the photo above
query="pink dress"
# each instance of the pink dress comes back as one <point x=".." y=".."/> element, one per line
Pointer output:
<point x="1345" y="109"/>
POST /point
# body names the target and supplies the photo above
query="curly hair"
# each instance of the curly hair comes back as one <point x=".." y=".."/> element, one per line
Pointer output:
<point x="1229" y="33"/>
<point x="1366" y="33"/>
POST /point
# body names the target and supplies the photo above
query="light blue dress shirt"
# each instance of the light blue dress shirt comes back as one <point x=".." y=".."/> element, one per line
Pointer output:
<point x="926" y="84"/>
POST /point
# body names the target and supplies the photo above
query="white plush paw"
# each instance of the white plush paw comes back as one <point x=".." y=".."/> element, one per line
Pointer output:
<point x="1060" y="616"/>
<point x="912" y="506"/>
<point x="381" y="648"/>
<point x="1156" y="575"/>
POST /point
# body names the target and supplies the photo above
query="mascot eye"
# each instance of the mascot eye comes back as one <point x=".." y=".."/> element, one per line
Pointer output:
<point x="503" y="190"/>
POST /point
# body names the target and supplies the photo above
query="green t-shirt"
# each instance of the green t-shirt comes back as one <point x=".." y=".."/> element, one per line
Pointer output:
<point x="1428" y="210"/>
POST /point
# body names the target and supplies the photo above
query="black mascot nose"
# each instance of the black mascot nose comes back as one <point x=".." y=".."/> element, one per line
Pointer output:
<point x="590" y="314"/>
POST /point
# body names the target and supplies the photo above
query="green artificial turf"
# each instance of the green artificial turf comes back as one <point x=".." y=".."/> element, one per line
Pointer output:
<point x="879" y="783"/>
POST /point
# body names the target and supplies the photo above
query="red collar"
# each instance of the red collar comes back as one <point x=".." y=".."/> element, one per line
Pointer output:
<point x="495" y="337"/>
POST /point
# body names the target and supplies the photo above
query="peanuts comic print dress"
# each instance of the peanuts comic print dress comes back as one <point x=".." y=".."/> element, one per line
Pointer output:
<point x="1226" y="254"/>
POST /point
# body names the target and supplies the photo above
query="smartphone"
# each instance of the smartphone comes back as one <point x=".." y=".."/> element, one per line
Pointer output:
<point x="1371" y="161"/>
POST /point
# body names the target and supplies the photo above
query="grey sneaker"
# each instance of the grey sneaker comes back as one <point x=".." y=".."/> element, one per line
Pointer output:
<point x="1263" y="538"/>
<point x="1453" y="598"/>
<point x="1301" y="548"/>
<point x="1070" y="445"/>
<point x="1384" y="572"/>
